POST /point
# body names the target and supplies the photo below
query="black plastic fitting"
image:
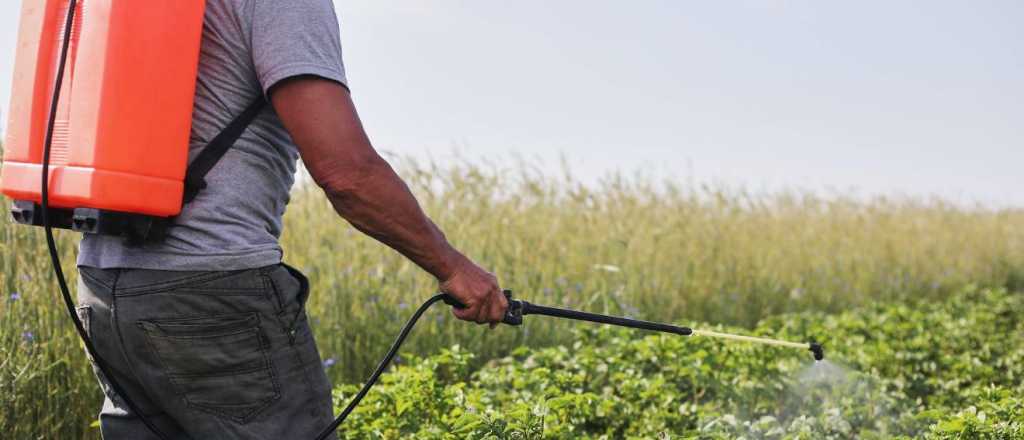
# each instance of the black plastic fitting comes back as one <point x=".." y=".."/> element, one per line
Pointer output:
<point x="819" y="352"/>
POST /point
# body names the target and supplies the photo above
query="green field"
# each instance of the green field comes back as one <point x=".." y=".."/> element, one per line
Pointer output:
<point x="626" y="246"/>
<point x="920" y="369"/>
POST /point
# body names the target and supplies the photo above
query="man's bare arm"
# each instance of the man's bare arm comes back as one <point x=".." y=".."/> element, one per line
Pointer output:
<point x="366" y="191"/>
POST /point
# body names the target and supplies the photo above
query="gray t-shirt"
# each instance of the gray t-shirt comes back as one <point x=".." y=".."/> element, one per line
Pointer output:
<point x="234" y="223"/>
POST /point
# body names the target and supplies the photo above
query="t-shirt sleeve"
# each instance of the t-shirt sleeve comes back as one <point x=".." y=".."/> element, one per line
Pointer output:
<point x="296" y="37"/>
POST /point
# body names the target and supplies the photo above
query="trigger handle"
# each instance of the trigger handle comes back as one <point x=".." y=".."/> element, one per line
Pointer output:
<point x="513" y="316"/>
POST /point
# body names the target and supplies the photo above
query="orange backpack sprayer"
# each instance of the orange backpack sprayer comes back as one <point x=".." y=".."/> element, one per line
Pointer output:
<point x="125" y="109"/>
<point x="118" y="161"/>
<point x="98" y="143"/>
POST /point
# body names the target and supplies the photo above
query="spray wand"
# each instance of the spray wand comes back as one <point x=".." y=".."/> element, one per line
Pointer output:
<point x="517" y="309"/>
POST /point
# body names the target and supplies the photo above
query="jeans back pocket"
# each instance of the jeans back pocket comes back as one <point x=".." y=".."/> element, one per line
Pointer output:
<point x="219" y="364"/>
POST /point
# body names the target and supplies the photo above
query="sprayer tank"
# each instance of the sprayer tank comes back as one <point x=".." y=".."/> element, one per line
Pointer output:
<point x="122" y="126"/>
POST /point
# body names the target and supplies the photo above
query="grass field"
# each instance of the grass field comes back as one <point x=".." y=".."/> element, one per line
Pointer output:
<point x="626" y="246"/>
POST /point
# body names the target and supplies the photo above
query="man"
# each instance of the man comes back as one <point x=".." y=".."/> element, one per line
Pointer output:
<point x="206" y="330"/>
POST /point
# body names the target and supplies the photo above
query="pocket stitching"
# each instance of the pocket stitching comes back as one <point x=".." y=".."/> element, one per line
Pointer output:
<point x="223" y="374"/>
<point x="258" y="406"/>
<point x="198" y="318"/>
<point x="151" y="326"/>
<point x="219" y="291"/>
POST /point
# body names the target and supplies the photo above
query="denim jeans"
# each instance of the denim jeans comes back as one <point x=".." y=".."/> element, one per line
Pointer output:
<point x="206" y="355"/>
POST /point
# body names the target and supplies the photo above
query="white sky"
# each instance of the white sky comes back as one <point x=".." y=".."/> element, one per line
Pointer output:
<point x="911" y="97"/>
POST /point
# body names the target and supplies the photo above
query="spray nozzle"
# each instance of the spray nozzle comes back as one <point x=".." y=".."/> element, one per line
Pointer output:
<point x="819" y="353"/>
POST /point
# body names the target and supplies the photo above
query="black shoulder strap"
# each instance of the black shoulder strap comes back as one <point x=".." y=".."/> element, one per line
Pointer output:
<point x="195" y="177"/>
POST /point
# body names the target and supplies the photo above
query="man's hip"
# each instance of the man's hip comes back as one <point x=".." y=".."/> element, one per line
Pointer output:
<point x="207" y="354"/>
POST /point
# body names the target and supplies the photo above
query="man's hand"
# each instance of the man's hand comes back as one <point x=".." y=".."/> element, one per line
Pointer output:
<point x="478" y="290"/>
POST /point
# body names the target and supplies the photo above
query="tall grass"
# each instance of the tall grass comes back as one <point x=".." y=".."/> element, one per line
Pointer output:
<point x="627" y="245"/>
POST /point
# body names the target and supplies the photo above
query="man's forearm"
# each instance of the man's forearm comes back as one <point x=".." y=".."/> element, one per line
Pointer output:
<point x="377" y="202"/>
<point x="363" y="188"/>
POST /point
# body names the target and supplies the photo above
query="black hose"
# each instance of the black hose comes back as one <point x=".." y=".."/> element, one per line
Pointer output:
<point x="54" y="257"/>
<point x="382" y="366"/>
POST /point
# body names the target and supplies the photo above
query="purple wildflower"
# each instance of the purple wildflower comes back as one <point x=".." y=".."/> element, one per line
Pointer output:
<point x="15" y="296"/>
<point x="28" y="337"/>
<point x="329" y="362"/>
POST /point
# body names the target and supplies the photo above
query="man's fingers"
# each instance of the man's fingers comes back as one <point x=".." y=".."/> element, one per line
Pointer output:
<point x="498" y="305"/>
<point x="474" y="313"/>
<point x="467" y="314"/>
<point x="484" y="311"/>
<point x="487" y="309"/>
<point x="460" y="313"/>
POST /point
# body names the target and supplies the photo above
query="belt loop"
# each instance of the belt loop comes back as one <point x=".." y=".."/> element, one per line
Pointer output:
<point x="115" y="282"/>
